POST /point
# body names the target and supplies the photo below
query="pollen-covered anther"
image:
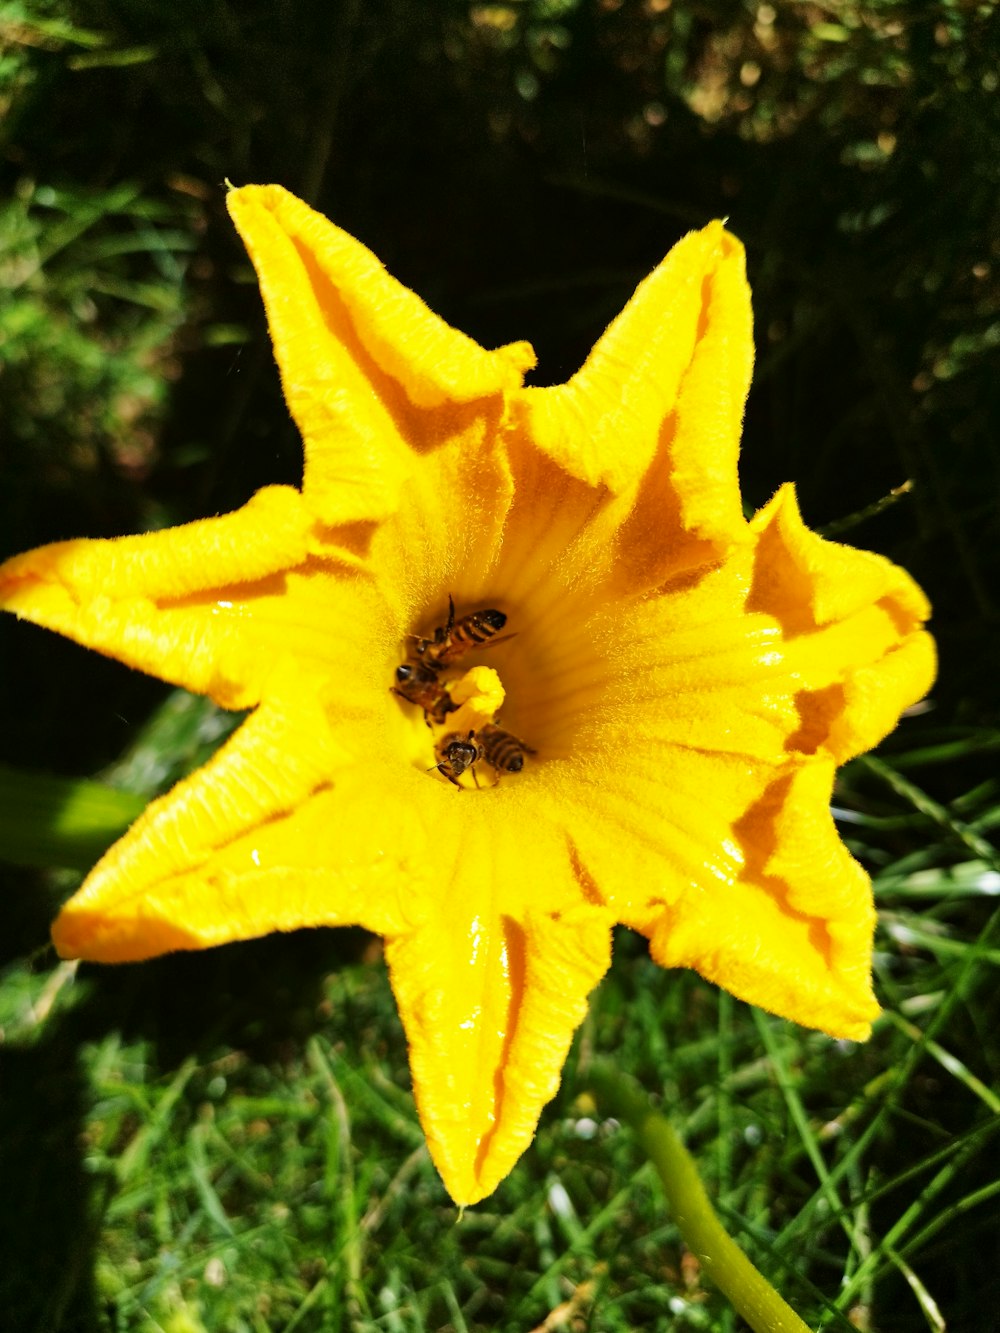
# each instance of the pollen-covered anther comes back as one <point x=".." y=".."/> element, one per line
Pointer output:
<point x="471" y="750"/>
<point x="479" y="696"/>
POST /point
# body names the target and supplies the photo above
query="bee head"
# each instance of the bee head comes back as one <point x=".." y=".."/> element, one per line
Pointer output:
<point x="409" y="672"/>
<point x="459" y="755"/>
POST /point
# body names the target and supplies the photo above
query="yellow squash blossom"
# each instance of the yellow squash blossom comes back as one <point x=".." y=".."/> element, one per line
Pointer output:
<point x="681" y="682"/>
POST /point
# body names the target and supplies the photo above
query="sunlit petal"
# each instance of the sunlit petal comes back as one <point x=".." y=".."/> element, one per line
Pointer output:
<point x="124" y="597"/>
<point x="491" y="989"/>
<point x="368" y="370"/>
<point x="651" y="740"/>
<point x="793" y="933"/>
<point x="263" y="837"/>
<point x="657" y="407"/>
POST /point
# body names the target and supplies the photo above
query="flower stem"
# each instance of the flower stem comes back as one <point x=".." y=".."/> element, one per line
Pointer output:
<point x="720" y="1257"/>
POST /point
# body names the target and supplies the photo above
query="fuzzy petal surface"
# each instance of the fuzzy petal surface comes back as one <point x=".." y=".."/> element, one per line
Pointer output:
<point x="369" y="372"/>
<point x="677" y="685"/>
<point x="492" y="986"/>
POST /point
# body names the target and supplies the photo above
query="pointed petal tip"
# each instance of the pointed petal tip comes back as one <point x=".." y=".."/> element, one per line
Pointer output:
<point x="244" y="200"/>
<point x="520" y="356"/>
<point x="253" y="207"/>
<point x="96" y="937"/>
<point x="723" y="239"/>
<point x="714" y="247"/>
<point x="858" y="1030"/>
<point x="465" y="1187"/>
<point x="324" y="290"/>
<point x="239" y="198"/>
<point x="63" y="937"/>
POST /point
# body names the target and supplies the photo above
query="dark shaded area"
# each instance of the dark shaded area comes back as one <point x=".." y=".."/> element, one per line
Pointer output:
<point x="46" y="1225"/>
<point x="517" y="216"/>
<point x="522" y="180"/>
<point x="261" y="999"/>
<point x="522" y="167"/>
<point x="936" y="1116"/>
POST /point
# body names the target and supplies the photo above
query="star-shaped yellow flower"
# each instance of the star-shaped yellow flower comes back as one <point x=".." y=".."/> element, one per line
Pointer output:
<point x="682" y="682"/>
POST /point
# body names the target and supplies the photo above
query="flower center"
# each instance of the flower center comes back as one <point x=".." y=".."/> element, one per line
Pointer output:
<point x="470" y="749"/>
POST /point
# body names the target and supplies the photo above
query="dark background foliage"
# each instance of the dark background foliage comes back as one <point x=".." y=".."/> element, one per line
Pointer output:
<point x="521" y="165"/>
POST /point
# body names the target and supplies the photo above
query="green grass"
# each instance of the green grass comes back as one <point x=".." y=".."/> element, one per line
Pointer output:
<point x="227" y="1141"/>
<point x="235" y="1145"/>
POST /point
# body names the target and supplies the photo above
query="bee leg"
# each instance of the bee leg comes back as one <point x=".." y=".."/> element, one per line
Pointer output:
<point x="441" y="634"/>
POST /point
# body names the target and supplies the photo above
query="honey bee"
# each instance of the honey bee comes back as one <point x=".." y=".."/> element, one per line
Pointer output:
<point x="460" y="754"/>
<point x="456" y="754"/>
<point x="502" y="751"/>
<point x="418" y="683"/>
<point x="455" y="638"/>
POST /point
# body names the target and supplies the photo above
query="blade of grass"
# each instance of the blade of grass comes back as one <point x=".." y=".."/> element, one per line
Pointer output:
<point x="801" y="1121"/>
<point x="932" y="809"/>
<point x="198" y="1163"/>
<point x="948" y="1061"/>
<point x="67" y="822"/>
<point x="921" y="1204"/>
<point x="925" y="1300"/>
<point x="133" y="1160"/>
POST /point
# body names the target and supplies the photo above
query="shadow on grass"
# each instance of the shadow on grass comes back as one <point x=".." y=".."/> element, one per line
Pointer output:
<point x="46" y="1236"/>
<point x="262" y="998"/>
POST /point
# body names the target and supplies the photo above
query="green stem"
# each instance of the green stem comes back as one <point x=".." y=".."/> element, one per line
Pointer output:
<point x="720" y="1257"/>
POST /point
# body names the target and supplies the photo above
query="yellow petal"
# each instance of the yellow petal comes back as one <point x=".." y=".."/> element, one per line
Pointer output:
<point x="493" y="986"/>
<point x="224" y="639"/>
<point x="448" y="534"/>
<point x="662" y="394"/>
<point x="684" y="723"/>
<point x="793" y="933"/>
<point x="650" y="828"/>
<point x="367" y="369"/>
<point x="268" y="534"/>
<point x="875" y="695"/>
<point x="276" y="832"/>
<point x="280" y="756"/>
<point x="683" y="681"/>
<point x="806" y="581"/>
<point x="735" y="871"/>
<point x="123" y="597"/>
<point x="852" y="622"/>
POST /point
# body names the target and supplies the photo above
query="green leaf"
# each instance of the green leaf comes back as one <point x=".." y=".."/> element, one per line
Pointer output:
<point x="66" y="822"/>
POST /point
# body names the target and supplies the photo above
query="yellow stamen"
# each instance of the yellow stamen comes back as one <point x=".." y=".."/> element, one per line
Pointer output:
<point x="480" y="695"/>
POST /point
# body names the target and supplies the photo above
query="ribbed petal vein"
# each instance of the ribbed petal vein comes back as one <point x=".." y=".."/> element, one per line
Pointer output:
<point x="684" y="682"/>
